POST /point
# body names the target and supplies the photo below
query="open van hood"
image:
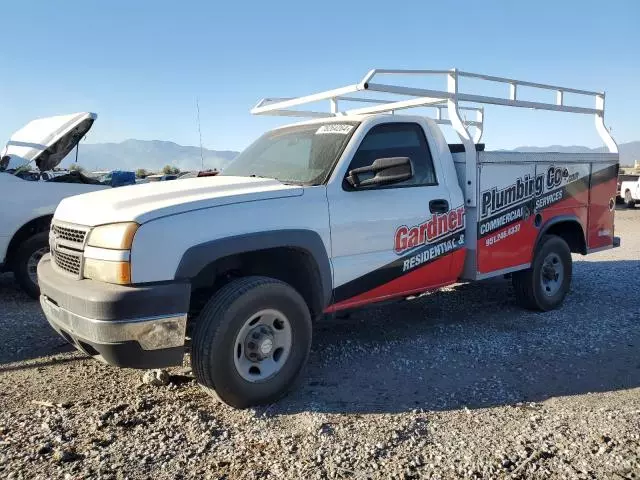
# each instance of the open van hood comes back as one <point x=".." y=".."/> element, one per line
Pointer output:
<point x="46" y="141"/>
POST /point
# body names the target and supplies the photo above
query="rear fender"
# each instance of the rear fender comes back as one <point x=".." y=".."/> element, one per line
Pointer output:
<point x="554" y="226"/>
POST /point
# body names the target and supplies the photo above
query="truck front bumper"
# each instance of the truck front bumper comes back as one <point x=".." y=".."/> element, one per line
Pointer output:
<point x="127" y="326"/>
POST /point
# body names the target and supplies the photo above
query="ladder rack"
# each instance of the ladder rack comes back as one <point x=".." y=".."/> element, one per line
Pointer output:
<point x="272" y="106"/>
<point x="404" y="98"/>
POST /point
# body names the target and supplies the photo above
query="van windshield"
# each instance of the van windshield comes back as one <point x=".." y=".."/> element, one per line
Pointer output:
<point x="302" y="154"/>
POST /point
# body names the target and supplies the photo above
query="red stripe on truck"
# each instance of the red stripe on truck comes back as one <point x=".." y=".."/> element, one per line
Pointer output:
<point x="430" y="276"/>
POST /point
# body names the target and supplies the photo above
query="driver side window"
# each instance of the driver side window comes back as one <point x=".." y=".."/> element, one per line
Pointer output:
<point x="397" y="140"/>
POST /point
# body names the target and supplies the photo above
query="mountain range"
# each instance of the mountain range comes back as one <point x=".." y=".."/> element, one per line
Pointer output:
<point x="151" y="155"/>
<point x="629" y="152"/>
<point x="155" y="154"/>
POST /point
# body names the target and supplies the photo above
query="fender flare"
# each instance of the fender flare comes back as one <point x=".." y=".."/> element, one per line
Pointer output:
<point x="556" y="220"/>
<point x="199" y="256"/>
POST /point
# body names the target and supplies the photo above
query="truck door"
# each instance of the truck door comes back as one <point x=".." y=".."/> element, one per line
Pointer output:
<point x="396" y="239"/>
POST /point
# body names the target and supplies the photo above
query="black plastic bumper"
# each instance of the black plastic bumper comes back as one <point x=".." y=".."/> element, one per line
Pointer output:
<point x="125" y="354"/>
<point x="128" y="326"/>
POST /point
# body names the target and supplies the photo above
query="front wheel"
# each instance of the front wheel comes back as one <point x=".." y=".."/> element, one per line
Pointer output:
<point x="251" y="341"/>
<point x="544" y="285"/>
<point x="25" y="266"/>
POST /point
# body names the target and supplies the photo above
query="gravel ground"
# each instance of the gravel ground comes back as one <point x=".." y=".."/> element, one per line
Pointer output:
<point x="457" y="384"/>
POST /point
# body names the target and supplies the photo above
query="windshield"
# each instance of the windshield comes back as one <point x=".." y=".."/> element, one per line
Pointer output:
<point x="303" y="154"/>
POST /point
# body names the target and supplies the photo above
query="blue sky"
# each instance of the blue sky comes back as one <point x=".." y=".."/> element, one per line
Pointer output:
<point x="141" y="65"/>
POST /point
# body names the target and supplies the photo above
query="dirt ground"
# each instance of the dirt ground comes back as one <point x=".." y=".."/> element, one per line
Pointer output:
<point x="460" y="383"/>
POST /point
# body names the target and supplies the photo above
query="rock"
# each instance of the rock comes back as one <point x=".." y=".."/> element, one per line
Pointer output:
<point x="113" y="411"/>
<point x="143" y="404"/>
<point x="156" y="378"/>
<point x="44" y="448"/>
<point x="325" y="429"/>
<point x="65" y="455"/>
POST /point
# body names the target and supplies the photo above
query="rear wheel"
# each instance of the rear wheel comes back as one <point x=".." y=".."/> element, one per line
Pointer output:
<point x="251" y="341"/>
<point x="628" y="199"/>
<point x="544" y="285"/>
<point x="25" y="266"/>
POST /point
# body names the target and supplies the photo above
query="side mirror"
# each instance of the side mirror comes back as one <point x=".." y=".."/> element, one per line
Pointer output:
<point x="385" y="171"/>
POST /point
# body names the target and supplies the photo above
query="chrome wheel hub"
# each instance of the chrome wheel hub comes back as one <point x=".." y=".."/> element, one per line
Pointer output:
<point x="259" y="343"/>
<point x="262" y="345"/>
<point x="551" y="274"/>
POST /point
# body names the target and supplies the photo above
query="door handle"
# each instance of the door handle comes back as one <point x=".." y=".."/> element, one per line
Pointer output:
<point x="439" y="206"/>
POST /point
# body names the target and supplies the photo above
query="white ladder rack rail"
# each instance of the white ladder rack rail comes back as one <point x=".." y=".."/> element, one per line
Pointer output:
<point x="439" y="99"/>
<point x="385" y="107"/>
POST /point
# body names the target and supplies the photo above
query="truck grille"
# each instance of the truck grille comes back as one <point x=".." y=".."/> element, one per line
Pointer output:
<point x="69" y="234"/>
<point x="67" y="246"/>
<point x="67" y="261"/>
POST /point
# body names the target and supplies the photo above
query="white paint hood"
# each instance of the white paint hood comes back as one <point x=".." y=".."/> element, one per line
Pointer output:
<point x="46" y="141"/>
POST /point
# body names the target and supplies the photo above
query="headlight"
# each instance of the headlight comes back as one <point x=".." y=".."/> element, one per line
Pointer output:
<point x="107" y="253"/>
<point x="107" y="271"/>
<point x="118" y="236"/>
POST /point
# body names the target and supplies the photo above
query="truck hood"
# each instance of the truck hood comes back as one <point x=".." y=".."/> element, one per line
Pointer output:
<point x="46" y="141"/>
<point x="145" y="202"/>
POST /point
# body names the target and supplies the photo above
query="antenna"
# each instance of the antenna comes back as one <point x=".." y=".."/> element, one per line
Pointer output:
<point x="200" y="134"/>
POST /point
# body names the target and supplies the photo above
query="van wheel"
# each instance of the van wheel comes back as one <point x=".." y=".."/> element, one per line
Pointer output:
<point x="25" y="266"/>
<point x="544" y="285"/>
<point x="251" y="341"/>
<point x="628" y="199"/>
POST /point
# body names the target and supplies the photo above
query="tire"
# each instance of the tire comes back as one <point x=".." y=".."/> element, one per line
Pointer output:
<point x="29" y="253"/>
<point x="628" y="199"/>
<point x="220" y="351"/>
<point x="535" y="288"/>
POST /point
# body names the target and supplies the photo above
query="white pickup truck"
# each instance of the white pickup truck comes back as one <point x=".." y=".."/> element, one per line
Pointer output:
<point x="351" y="208"/>
<point x="630" y="191"/>
<point x="28" y="206"/>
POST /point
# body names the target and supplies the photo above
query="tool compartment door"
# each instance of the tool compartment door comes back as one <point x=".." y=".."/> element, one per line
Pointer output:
<point x="506" y="230"/>
<point x="602" y="195"/>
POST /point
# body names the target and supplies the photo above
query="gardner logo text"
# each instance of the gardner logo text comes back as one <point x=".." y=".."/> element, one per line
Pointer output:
<point x="408" y="238"/>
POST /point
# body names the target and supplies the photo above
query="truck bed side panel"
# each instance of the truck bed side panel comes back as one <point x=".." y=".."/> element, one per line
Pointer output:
<point x="520" y="193"/>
